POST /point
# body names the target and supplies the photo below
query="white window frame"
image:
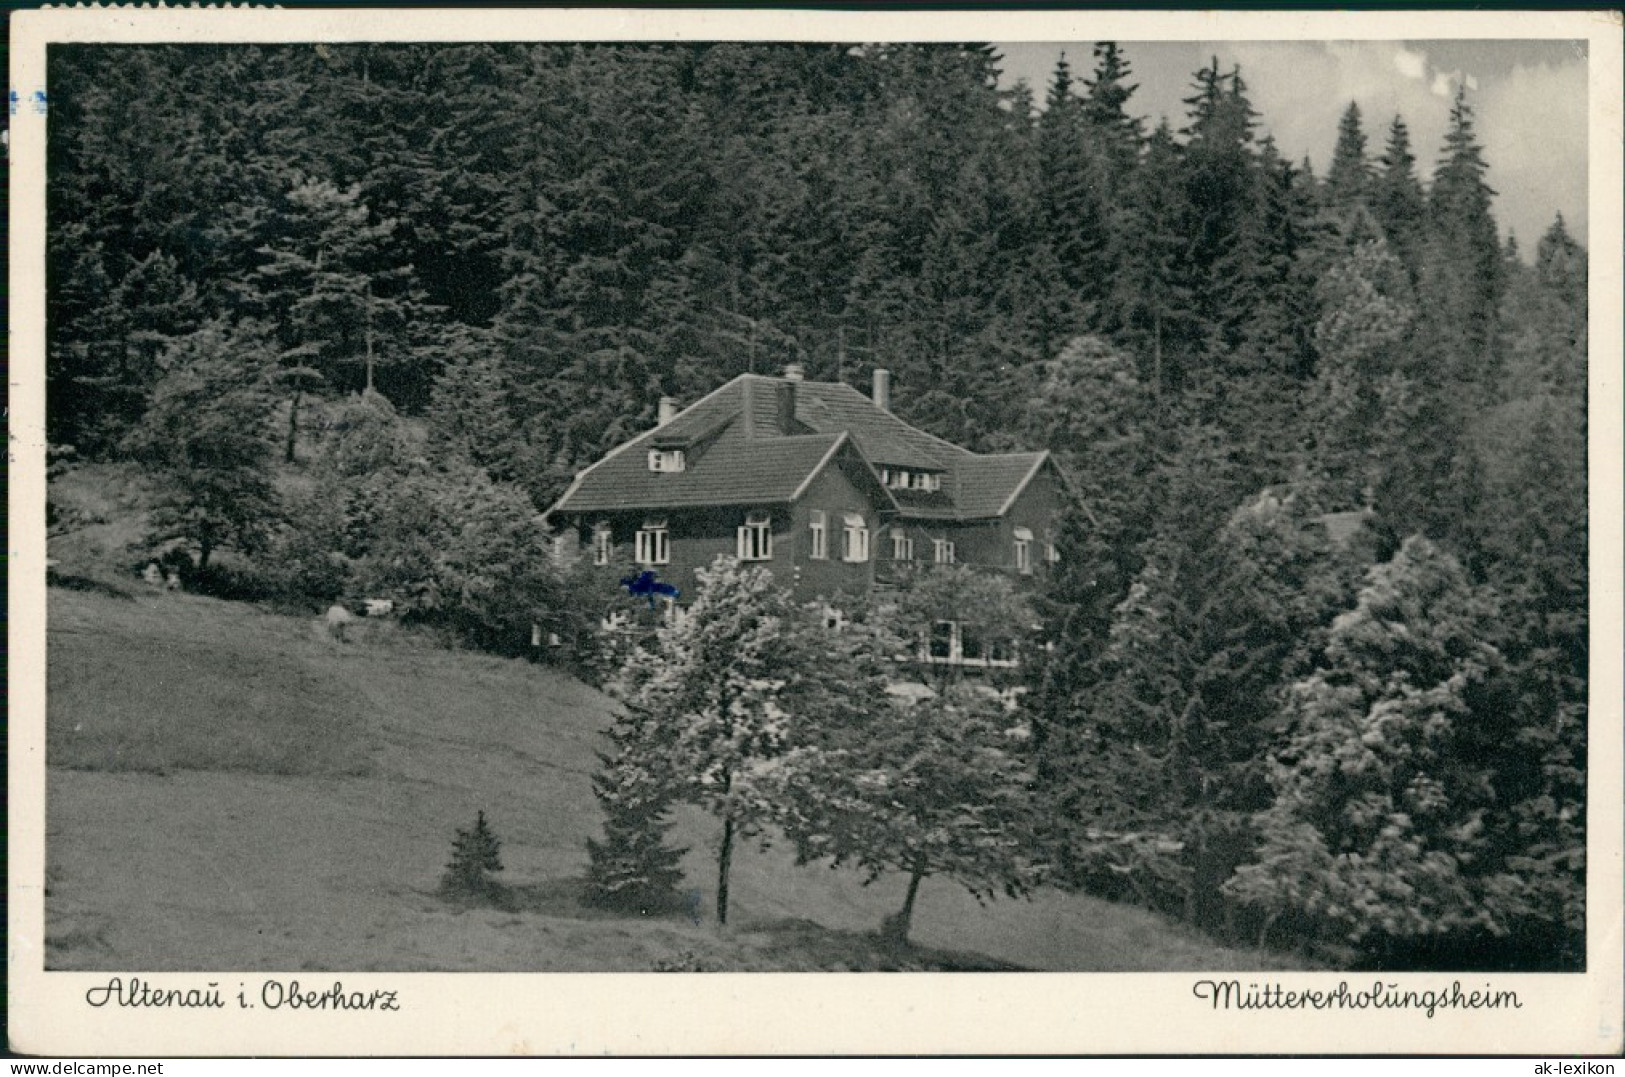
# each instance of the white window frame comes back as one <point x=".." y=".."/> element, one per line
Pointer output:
<point x="902" y="545"/>
<point x="854" y="539"/>
<point x="755" y="537"/>
<point x="653" y="543"/>
<point x="942" y="551"/>
<point x="1024" y="551"/>
<point x="953" y="656"/>
<point x="603" y="544"/>
<point x="562" y="547"/>
<point x="668" y="461"/>
<point x="1052" y="554"/>
<point x="899" y="479"/>
<point x="818" y="524"/>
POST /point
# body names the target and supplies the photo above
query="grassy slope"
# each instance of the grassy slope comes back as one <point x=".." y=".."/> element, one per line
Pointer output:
<point x="230" y="789"/>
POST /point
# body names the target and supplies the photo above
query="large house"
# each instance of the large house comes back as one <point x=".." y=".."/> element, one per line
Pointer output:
<point x="814" y="480"/>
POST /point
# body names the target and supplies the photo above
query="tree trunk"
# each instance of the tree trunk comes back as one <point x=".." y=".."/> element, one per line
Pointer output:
<point x="1156" y="355"/>
<point x="369" y="336"/>
<point x="899" y="926"/>
<point x="293" y="426"/>
<point x="724" y="861"/>
<point x="205" y="548"/>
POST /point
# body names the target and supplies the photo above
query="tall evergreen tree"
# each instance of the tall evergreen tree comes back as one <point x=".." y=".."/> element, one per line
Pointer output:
<point x="1107" y="93"/>
<point x="1397" y="198"/>
<point x="1462" y="268"/>
<point x="1348" y="180"/>
<point x="1154" y="290"/>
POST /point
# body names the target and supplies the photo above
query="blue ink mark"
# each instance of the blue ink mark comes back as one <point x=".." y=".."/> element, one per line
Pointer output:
<point x="36" y="101"/>
<point x="645" y="584"/>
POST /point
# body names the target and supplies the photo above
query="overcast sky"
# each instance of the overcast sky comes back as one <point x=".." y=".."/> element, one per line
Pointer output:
<point x="1528" y="99"/>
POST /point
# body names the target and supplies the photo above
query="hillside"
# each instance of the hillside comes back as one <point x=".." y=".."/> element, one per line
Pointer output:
<point x="231" y="789"/>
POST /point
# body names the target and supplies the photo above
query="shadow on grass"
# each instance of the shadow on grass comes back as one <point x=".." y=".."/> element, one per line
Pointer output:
<point x="73" y="582"/>
<point x="812" y="947"/>
<point x="567" y="899"/>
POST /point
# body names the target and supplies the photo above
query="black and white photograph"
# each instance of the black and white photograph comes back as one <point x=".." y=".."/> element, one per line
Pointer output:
<point x="686" y="503"/>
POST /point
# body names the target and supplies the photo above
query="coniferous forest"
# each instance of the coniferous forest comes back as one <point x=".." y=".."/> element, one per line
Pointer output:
<point x="1316" y="673"/>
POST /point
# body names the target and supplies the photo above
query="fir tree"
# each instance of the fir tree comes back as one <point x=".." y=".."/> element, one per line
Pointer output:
<point x="1397" y="198"/>
<point x="474" y="855"/>
<point x="1461" y="275"/>
<point x="1106" y="97"/>
<point x="1348" y="180"/>
<point x="633" y="868"/>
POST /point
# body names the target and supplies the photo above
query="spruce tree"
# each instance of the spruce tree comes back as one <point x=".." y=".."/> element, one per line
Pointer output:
<point x="632" y="868"/>
<point x="1462" y="268"/>
<point x="1106" y="97"/>
<point x="1397" y="198"/>
<point x="474" y="855"/>
<point x="1348" y="180"/>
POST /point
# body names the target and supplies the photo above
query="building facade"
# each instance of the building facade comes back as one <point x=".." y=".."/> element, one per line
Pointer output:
<point x="815" y="481"/>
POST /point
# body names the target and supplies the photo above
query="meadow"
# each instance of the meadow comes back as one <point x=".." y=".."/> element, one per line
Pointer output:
<point x="230" y="788"/>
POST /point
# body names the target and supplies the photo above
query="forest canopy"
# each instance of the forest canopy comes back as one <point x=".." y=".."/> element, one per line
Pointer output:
<point x="1319" y="640"/>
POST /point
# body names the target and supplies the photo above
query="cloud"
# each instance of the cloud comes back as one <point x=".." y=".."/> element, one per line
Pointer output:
<point x="1442" y="84"/>
<point x="1534" y="127"/>
<point x="1413" y="65"/>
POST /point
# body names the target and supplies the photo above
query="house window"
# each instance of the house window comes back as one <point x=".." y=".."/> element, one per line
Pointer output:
<point x="922" y="481"/>
<point x="820" y="535"/>
<point x="1002" y="652"/>
<point x="667" y="460"/>
<point x="654" y="543"/>
<point x="940" y="644"/>
<point x="563" y="546"/>
<point x="1051" y="554"/>
<point x="603" y="544"/>
<point x="902" y="546"/>
<point x="970" y="646"/>
<point x="942" y="551"/>
<point x="756" y="538"/>
<point x="885" y="476"/>
<point x="897" y="480"/>
<point x="1024" y="551"/>
<point x="855" y="539"/>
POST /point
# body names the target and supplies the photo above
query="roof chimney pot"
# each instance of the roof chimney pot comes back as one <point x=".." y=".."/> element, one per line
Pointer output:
<point x="794" y="372"/>
<point x="668" y="411"/>
<point x="882" y="394"/>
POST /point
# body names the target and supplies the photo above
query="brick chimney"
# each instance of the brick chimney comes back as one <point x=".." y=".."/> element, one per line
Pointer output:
<point x="882" y="394"/>
<point x="668" y="411"/>
<point x="785" y="418"/>
<point x="794" y="372"/>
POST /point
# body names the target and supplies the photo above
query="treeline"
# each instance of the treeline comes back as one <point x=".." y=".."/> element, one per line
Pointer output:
<point x="1320" y="637"/>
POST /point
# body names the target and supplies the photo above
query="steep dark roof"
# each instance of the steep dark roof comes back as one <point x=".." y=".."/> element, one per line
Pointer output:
<point x="747" y="446"/>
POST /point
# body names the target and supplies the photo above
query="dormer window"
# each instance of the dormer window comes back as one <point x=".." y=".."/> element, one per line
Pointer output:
<point x="756" y="538"/>
<point x="668" y="460"/>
